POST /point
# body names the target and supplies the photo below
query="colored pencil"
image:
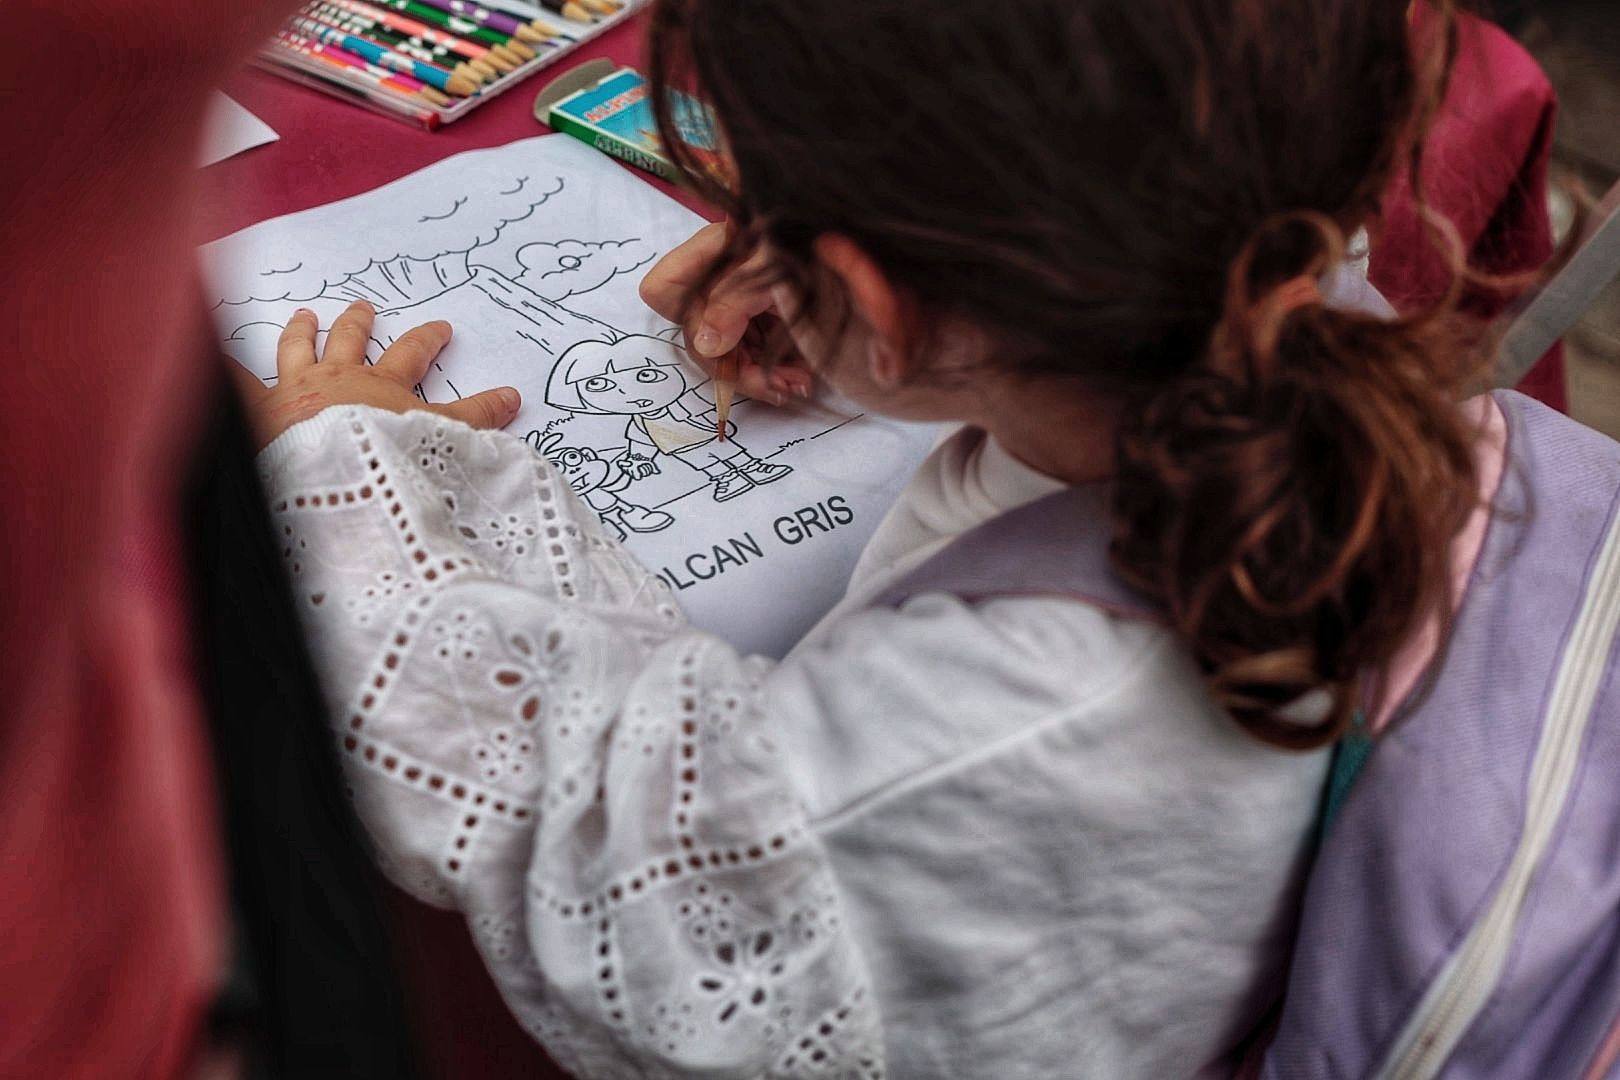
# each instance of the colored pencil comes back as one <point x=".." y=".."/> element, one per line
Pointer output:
<point x="337" y="64"/>
<point x="515" y="51"/>
<point x="494" y="20"/>
<point x="535" y="11"/>
<point x="462" y="20"/>
<point x="455" y="24"/>
<point x="439" y="56"/>
<point x="511" y="55"/>
<point x="472" y="50"/>
<point x="476" y="71"/>
<point x="385" y="54"/>
<point x="569" y="9"/>
<point x="449" y="82"/>
<point x="299" y="68"/>
<point x="595" y="7"/>
<point x="379" y="78"/>
<point x="519" y="8"/>
<point x="548" y="32"/>
<point x="372" y="75"/>
<point x="725" y="387"/>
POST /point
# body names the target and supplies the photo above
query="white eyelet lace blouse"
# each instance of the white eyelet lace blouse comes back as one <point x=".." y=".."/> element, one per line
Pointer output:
<point x="1001" y="840"/>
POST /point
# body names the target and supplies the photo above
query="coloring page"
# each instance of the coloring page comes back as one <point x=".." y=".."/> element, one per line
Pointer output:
<point x="533" y="252"/>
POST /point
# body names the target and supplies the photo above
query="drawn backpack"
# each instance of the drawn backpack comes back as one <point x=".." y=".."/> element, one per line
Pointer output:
<point x="1462" y="917"/>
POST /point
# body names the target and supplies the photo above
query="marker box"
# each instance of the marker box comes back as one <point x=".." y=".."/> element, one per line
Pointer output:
<point x="608" y="107"/>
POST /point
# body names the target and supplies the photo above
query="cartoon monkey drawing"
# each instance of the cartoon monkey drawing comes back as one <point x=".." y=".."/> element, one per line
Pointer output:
<point x="643" y="378"/>
<point x="598" y="483"/>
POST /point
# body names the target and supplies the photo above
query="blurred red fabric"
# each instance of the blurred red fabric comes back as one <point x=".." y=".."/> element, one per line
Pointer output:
<point x="1484" y="169"/>
<point x="112" y="905"/>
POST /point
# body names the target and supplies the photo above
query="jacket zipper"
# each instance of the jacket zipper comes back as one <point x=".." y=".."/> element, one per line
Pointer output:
<point x="1469" y="977"/>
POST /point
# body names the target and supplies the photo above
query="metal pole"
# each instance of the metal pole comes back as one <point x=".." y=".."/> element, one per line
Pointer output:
<point x="1562" y="301"/>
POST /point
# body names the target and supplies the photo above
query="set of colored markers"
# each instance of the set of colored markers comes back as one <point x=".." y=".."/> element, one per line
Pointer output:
<point x="428" y="62"/>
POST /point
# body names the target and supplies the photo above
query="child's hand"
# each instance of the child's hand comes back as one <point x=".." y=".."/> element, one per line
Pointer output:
<point x="731" y="316"/>
<point x="306" y="384"/>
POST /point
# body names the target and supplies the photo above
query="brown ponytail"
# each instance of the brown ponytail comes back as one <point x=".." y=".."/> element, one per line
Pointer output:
<point x="1132" y="199"/>
<point x="1292" y="500"/>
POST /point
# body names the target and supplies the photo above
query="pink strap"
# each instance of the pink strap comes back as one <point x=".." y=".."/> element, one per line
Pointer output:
<point x="1603" y="1061"/>
<point x="1404" y="671"/>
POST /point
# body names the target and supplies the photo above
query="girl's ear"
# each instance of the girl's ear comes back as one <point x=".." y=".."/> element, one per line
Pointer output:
<point x="876" y="301"/>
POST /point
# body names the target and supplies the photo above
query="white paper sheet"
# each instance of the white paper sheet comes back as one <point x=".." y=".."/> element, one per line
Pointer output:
<point x="533" y="252"/>
<point x="229" y="130"/>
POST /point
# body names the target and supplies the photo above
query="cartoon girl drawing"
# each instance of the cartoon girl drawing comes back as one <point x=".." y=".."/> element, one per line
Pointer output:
<point x="643" y="377"/>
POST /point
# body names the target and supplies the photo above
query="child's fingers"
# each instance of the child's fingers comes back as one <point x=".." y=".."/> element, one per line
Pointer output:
<point x="751" y="377"/>
<point x="488" y="409"/>
<point x="671" y="278"/>
<point x="407" y="359"/>
<point x="754" y="382"/>
<point x="728" y="313"/>
<point x="351" y="331"/>
<point x="787" y="377"/>
<point x="717" y="321"/>
<point x="776" y="385"/>
<point x="295" y="349"/>
<point x="719" y="325"/>
<point x="792" y="380"/>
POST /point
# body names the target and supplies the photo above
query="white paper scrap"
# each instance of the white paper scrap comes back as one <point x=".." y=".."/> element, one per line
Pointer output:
<point x="229" y="130"/>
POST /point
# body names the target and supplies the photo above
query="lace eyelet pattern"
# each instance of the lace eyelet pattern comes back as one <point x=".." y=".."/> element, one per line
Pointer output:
<point x="532" y="737"/>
